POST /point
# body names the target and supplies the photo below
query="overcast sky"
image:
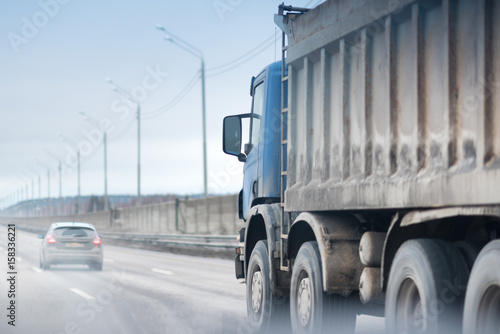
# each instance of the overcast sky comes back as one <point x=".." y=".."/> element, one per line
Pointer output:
<point x="56" y="55"/>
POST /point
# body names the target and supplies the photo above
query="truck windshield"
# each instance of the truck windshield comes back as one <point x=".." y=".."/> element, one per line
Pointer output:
<point x="258" y="107"/>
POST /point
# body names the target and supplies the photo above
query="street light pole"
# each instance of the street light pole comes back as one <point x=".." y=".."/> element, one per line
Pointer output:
<point x="48" y="192"/>
<point x="197" y="53"/>
<point x="78" y="209"/>
<point x="139" y="200"/>
<point x="106" y="204"/>
<point x="126" y="95"/>
<point x="204" y="125"/>
<point x="59" y="203"/>
<point x="105" y="143"/>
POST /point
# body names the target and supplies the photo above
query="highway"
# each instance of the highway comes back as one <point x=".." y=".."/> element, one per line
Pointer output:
<point x="138" y="291"/>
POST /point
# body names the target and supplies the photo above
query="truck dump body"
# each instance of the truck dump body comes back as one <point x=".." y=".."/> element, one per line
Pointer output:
<point x="393" y="105"/>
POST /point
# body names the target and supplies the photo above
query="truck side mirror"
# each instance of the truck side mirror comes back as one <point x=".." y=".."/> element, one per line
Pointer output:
<point x="231" y="137"/>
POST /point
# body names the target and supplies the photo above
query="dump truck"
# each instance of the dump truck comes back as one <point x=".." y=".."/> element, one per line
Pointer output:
<point x="372" y="169"/>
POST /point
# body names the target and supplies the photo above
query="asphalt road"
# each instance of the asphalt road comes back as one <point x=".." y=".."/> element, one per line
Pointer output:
<point x="138" y="291"/>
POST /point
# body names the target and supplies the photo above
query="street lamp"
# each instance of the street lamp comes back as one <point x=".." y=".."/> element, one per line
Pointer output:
<point x="64" y="139"/>
<point x="105" y="141"/>
<point x="126" y="95"/>
<point x="59" y="168"/>
<point x="198" y="54"/>
<point x="49" y="209"/>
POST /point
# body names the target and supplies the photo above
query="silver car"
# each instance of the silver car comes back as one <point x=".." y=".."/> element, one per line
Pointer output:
<point x="71" y="243"/>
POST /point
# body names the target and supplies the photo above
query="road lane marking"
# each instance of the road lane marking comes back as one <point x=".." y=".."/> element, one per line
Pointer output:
<point x="82" y="294"/>
<point x="38" y="270"/>
<point x="181" y="258"/>
<point x="108" y="260"/>
<point x="161" y="271"/>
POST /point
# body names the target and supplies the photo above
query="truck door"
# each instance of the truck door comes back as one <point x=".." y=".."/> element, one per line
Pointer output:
<point x="252" y="149"/>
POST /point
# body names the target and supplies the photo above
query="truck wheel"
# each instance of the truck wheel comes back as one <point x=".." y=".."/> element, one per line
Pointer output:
<point x="426" y="288"/>
<point x="482" y="301"/>
<point x="470" y="250"/>
<point x="311" y="309"/>
<point x="266" y="312"/>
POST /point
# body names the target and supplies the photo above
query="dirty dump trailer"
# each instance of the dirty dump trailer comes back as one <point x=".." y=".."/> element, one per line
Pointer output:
<point x="394" y="111"/>
<point x="389" y="169"/>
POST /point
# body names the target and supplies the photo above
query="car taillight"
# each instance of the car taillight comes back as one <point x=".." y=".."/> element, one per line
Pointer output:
<point x="51" y="240"/>
<point x="97" y="241"/>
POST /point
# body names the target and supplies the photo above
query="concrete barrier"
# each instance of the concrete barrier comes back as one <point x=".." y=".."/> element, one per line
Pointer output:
<point x="209" y="216"/>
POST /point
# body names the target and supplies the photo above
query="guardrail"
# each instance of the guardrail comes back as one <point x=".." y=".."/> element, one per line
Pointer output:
<point x="212" y="241"/>
<point x="222" y="246"/>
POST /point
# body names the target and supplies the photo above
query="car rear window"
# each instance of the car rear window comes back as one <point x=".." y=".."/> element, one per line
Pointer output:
<point x="74" y="232"/>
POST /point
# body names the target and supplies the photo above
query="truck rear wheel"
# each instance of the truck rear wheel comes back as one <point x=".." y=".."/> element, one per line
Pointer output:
<point x="482" y="301"/>
<point x="266" y="312"/>
<point x="426" y="288"/>
<point x="312" y="310"/>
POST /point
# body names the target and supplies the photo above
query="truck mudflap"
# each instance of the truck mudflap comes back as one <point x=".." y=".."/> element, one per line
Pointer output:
<point x="239" y="267"/>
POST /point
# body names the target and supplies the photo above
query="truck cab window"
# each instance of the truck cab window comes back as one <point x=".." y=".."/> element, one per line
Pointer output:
<point x="257" y="109"/>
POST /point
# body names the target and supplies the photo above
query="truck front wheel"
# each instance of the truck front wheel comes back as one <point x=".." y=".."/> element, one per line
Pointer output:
<point x="426" y="288"/>
<point x="266" y="312"/>
<point x="312" y="310"/>
<point x="482" y="301"/>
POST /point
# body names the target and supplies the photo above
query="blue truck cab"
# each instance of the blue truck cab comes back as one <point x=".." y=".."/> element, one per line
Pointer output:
<point x="261" y="152"/>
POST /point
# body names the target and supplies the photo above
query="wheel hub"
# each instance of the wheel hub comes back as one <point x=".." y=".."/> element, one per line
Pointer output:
<point x="257" y="291"/>
<point x="410" y="314"/>
<point x="489" y="306"/>
<point x="304" y="301"/>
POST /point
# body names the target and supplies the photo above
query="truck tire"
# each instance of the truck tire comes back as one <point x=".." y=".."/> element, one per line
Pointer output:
<point x="470" y="251"/>
<point x="482" y="300"/>
<point x="311" y="309"/>
<point x="426" y="288"/>
<point x="266" y="312"/>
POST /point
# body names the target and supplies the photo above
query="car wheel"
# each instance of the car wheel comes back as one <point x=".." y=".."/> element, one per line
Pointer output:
<point x="98" y="266"/>
<point x="311" y="309"/>
<point x="43" y="263"/>
<point x="267" y="313"/>
<point x="426" y="288"/>
<point x="482" y="301"/>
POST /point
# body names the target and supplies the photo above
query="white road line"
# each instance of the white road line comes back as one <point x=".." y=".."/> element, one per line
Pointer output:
<point x="82" y="294"/>
<point x="38" y="270"/>
<point x="108" y="260"/>
<point x="161" y="271"/>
